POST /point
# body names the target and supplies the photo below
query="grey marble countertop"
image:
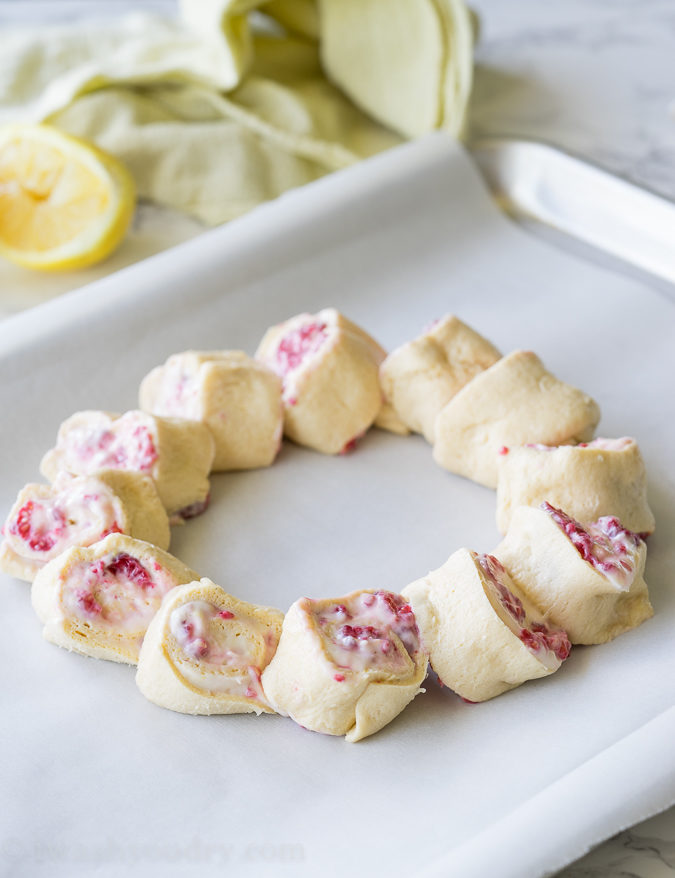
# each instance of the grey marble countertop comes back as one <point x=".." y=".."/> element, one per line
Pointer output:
<point x="591" y="76"/>
<point x="595" y="77"/>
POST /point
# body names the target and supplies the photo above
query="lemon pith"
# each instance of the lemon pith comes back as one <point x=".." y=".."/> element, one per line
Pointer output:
<point x="63" y="202"/>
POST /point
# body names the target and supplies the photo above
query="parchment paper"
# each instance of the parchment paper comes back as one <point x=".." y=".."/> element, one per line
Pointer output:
<point x="95" y="778"/>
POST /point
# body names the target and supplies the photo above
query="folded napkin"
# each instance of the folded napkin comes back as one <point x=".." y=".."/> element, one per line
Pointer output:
<point x="297" y="16"/>
<point x="42" y="69"/>
<point x="217" y="156"/>
<point x="407" y="63"/>
<point x="213" y="118"/>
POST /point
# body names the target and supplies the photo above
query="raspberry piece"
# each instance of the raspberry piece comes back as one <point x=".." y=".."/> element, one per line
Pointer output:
<point x="194" y="509"/>
<point x="539" y="636"/>
<point x="40" y="535"/>
<point x="87" y="601"/>
<point x="349" y="446"/>
<point x="127" y="566"/>
<point x="113" y="529"/>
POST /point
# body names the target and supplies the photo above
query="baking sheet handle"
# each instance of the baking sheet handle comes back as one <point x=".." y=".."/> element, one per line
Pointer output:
<point x="536" y="180"/>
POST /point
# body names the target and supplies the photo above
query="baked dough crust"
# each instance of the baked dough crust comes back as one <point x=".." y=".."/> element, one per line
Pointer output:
<point x="544" y="562"/>
<point x="332" y="393"/>
<point x="421" y="376"/>
<point x="603" y="477"/>
<point x="471" y="648"/>
<point x="514" y="402"/>
<point x="235" y="396"/>
<point x="65" y="596"/>
<point x="170" y="677"/>
<point x="180" y="453"/>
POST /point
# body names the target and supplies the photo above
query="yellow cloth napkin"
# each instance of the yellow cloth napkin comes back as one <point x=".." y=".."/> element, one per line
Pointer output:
<point x="42" y="69"/>
<point x="407" y="63"/>
<point x="209" y="117"/>
<point x="297" y="16"/>
<point x="217" y="156"/>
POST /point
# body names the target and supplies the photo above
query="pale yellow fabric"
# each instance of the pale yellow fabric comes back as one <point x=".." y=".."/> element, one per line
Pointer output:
<point x="296" y="16"/>
<point x="407" y="63"/>
<point x="42" y="69"/>
<point x="218" y="155"/>
<point x="209" y="118"/>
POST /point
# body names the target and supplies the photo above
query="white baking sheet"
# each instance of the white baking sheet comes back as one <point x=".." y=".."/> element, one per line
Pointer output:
<point x="93" y="775"/>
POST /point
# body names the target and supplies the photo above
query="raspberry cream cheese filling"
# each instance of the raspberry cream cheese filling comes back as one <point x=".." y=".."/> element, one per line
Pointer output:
<point x="176" y="453"/>
<point x="514" y="402"/>
<point x="605" y="544"/>
<point x="78" y="511"/>
<point x="173" y="390"/>
<point x="296" y="348"/>
<point x="370" y="631"/>
<point x="602" y="477"/>
<point x="483" y="635"/>
<point x="585" y="578"/>
<point x="100" y="600"/>
<point x="346" y="666"/>
<point x="550" y="644"/>
<point x="609" y="444"/>
<point x="99" y="443"/>
<point x="421" y="376"/>
<point x="235" y="396"/>
<point x="205" y="651"/>
<point x="329" y="370"/>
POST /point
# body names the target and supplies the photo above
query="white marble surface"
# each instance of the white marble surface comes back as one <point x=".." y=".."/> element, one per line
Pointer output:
<point x="644" y="851"/>
<point x="596" y="77"/>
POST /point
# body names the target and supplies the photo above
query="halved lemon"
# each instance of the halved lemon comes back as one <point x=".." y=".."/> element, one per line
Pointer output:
<point x="64" y="203"/>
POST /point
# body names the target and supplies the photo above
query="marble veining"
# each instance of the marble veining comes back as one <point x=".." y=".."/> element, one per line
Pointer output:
<point x="645" y="851"/>
<point x="595" y="77"/>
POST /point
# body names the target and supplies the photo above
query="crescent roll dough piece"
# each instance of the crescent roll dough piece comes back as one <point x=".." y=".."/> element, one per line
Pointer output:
<point x="514" y="402"/>
<point x="235" y="396"/>
<point x="423" y="375"/>
<point x="483" y="635"/>
<point x="78" y="511"/>
<point x="176" y="453"/>
<point x="346" y="666"/>
<point x="602" y="477"/>
<point x="329" y="368"/>
<point x="388" y="420"/>
<point x="586" y="579"/>
<point x="99" y="600"/>
<point x="205" y="651"/>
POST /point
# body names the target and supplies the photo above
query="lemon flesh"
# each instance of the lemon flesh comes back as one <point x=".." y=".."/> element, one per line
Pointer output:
<point x="63" y="202"/>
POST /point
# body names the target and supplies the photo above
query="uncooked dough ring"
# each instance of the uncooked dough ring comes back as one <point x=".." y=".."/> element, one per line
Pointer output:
<point x="342" y="666"/>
